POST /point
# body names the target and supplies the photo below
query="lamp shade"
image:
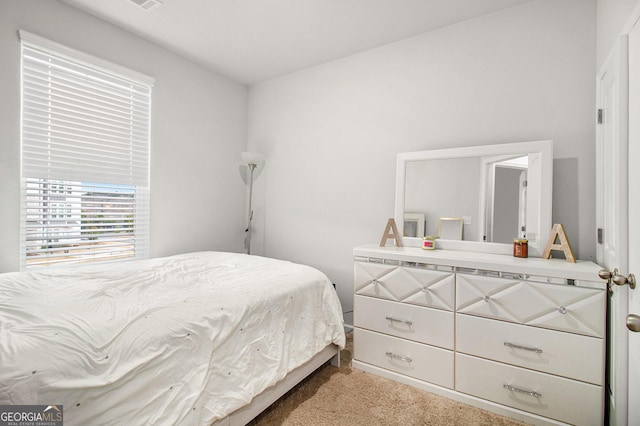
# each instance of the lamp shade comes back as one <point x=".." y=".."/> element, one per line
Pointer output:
<point x="251" y="158"/>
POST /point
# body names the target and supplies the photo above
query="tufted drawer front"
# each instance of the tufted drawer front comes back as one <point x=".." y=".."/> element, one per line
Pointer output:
<point x="556" y="352"/>
<point x="425" y="325"/>
<point x="551" y="396"/>
<point x="559" y="307"/>
<point x="413" y="359"/>
<point x="424" y="287"/>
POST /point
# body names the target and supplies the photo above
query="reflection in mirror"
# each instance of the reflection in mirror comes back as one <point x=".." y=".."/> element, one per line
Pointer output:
<point x="450" y="228"/>
<point x="413" y="225"/>
<point x="500" y="191"/>
<point x="444" y="188"/>
<point x="506" y="200"/>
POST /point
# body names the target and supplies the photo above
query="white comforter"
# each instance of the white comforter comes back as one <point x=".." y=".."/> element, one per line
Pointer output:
<point x="185" y="339"/>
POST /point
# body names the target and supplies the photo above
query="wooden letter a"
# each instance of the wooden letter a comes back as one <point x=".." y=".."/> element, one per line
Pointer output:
<point x="557" y="232"/>
<point x="391" y="231"/>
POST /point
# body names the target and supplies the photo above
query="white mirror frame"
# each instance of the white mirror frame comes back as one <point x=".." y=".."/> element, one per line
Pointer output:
<point x="538" y="200"/>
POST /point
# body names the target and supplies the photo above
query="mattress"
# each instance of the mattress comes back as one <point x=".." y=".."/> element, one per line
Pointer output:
<point x="185" y="339"/>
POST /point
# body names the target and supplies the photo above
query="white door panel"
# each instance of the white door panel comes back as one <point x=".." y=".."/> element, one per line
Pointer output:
<point x="618" y="206"/>
<point x="634" y="223"/>
<point x="611" y="216"/>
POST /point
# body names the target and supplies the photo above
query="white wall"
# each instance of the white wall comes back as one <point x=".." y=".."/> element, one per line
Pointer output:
<point x="198" y="131"/>
<point x="331" y="133"/>
<point x="612" y="16"/>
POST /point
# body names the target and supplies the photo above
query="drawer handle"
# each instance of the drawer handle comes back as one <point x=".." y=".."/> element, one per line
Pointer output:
<point x="526" y="348"/>
<point x="409" y="323"/>
<point x="515" y="389"/>
<point x="400" y="357"/>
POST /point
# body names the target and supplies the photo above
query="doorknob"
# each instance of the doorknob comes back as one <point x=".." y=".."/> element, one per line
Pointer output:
<point x="633" y="322"/>
<point x="606" y="275"/>
<point x="622" y="280"/>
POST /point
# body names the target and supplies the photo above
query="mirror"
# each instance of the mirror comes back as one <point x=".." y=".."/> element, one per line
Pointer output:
<point x="496" y="193"/>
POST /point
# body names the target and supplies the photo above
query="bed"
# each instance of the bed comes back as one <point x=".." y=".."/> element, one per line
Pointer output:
<point x="199" y="338"/>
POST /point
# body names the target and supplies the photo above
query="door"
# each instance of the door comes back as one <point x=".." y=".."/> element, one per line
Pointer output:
<point x="611" y="218"/>
<point x="634" y="221"/>
<point x="618" y="197"/>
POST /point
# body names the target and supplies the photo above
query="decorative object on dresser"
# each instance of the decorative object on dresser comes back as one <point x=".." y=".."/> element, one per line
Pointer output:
<point x="558" y="234"/>
<point x="429" y="242"/>
<point x="520" y="247"/>
<point x="391" y="231"/>
<point x="413" y="225"/>
<point x="450" y="228"/>
<point x="520" y="337"/>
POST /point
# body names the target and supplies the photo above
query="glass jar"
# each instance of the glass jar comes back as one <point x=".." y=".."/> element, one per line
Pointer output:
<point x="520" y="247"/>
<point x="429" y="242"/>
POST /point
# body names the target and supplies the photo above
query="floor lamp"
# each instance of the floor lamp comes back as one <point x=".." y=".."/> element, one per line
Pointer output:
<point x="254" y="162"/>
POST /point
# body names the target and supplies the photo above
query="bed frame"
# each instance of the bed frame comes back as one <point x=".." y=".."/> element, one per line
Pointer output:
<point x="244" y="415"/>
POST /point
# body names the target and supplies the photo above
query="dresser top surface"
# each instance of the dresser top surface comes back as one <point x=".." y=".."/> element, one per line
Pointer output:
<point x="558" y="268"/>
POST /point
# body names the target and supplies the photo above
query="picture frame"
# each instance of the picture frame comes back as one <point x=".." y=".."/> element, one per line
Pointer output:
<point x="450" y="228"/>
<point x="414" y="225"/>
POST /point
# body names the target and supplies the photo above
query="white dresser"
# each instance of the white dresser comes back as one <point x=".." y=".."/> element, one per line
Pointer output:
<point x="521" y="337"/>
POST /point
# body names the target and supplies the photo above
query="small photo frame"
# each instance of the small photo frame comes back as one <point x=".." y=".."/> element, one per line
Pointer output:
<point x="450" y="228"/>
<point x="413" y="225"/>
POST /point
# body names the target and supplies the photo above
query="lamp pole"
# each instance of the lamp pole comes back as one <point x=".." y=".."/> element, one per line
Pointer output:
<point x="252" y="167"/>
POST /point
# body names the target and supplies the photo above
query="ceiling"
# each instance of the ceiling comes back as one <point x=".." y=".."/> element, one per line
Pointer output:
<point x="254" y="40"/>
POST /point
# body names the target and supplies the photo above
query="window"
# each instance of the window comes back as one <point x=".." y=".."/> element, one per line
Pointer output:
<point x="85" y="157"/>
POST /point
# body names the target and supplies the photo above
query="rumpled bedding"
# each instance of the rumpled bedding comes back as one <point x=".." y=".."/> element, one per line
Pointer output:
<point x="185" y="339"/>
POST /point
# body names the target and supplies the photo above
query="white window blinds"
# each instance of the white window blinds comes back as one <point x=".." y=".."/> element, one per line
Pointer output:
<point x="85" y="157"/>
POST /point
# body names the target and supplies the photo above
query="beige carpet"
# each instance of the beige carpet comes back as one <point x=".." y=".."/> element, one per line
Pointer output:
<point x="345" y="396"/>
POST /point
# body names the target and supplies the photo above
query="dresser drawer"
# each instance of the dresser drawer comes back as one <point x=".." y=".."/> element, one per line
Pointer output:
<point x="425" y="325"/>
<point x="556" y="352"/>
<point x="559" y="307"/>
<point x="557" y="398"/>
<point x="417" y="360"/>
<point x="417" y="286"/>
